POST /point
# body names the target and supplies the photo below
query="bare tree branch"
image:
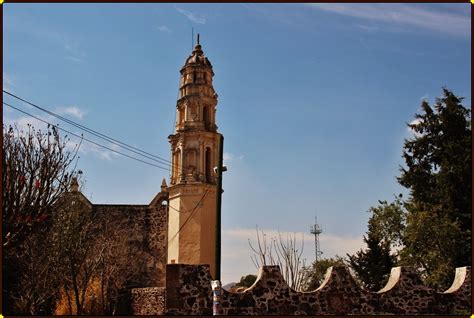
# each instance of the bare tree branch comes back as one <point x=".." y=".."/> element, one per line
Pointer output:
<point x="283" y="253"/>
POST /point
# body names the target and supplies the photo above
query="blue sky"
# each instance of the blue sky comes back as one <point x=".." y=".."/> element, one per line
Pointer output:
<point x="313" y="100"/>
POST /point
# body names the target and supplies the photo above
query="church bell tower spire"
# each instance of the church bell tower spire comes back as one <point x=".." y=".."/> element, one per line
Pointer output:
<point x="195" y="120"/>
<point x="194" y="148"/>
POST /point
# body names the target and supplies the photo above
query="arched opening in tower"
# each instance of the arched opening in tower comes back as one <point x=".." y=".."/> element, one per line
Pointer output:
<point x="208" y="165"/>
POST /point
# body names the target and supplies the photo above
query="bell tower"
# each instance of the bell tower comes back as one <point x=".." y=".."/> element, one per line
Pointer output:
<point x="194" y="149"/>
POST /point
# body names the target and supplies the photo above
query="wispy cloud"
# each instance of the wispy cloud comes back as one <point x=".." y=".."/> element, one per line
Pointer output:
<point x="24" y="122"/>
<point x="7" y="82"/>
<point x="90" y="149"/>
<point x="72" y="47"/>
<point x="273" y="12"/>
<point x="102" y="153"/>
<point x="429" y="17"/>
<point x="193" y="17"/>
<point x="227" y="156"/>
<point x="74" y="50"/>
<point x="333" y="244"/>
<point x="71" y="110"/>
<point x="164" y="28"/>
<point x="415" y="121"/>
<point x="74" y="59"/>
<point x="424" y="97"/>
<point x="368" y="28"/>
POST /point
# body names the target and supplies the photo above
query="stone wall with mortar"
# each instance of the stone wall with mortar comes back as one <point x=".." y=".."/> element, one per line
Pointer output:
<point x="149" y="301"/>
<point x="138" y="238"/>
<point x="188" y="292"/>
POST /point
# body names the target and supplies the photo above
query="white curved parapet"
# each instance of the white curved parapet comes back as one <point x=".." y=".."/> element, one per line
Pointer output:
<point x="395" y="274"/>
<point x="459" y="280"/>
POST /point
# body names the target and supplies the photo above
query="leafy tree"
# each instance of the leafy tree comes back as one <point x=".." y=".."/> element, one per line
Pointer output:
<point x="433" y="242"/>
<point x="73" y="236"/>
<point x="246" y="281"/>
<point x="115" y="272"/>
<point x="92" y="252"/>
<point x="37" y="280"/>
<point x="387" y="222"/>
<point x="438" y="173"/>
<point x="314" y="274"/>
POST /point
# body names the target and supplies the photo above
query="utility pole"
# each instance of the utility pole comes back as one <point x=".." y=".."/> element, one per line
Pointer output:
<point x="316" y="230"/>
<point x="218" y="170"/>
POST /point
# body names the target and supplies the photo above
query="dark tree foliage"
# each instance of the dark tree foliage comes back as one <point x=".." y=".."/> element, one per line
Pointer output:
<point x="73" y="236"/>
<point x="431" y="230"/>
<point x="438" y="158"/>
<point x="314" y="274"/>
<point x="438" y="174"/>
<point x="388" y="221"/>
<point x="372" y="266"/>
<point x="385" y="232"/>
<point x="246" y="281"/>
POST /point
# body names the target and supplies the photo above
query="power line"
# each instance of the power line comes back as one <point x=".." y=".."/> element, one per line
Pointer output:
<point x="97" y="134"/>
<point x="179" y="211"/>
<point x="191" y="215"/>
<point x="82" y="137"/>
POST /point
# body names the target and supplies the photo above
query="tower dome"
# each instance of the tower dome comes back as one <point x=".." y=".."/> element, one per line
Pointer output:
<point x="197" y="57"/>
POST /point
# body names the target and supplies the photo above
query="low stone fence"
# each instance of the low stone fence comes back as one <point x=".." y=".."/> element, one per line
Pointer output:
<point x="189" y="292"/>
<point x="148" y="301"/>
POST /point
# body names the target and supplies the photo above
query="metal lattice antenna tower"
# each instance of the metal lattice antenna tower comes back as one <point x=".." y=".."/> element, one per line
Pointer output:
<point x="316" y="230"/>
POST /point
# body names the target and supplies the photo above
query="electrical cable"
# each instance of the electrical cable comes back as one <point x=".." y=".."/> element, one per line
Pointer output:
<point x="110" y="149"/>
<point x="96" y="133"/>
<point x="192" y="213"/>
<point x="82" y="137"/>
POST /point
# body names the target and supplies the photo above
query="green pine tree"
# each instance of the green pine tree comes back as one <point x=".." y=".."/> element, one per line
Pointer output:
<point x="438" y="174"/>
<point x="372" y="266"/>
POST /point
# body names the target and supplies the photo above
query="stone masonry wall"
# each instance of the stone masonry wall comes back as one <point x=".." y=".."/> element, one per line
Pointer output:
<point x="141" y="233"/>
<point x="137" y="235"/>
<point x="188" y="292"/>
<point x="148" y="301"/>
